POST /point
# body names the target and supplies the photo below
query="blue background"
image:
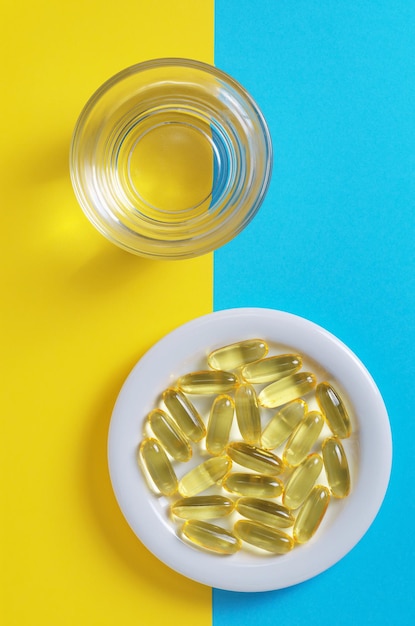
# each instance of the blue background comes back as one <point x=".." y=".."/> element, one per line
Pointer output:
<point x="334" y="242"/>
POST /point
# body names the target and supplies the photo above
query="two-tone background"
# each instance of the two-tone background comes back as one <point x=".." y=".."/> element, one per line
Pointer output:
<point x="333" y="242"/>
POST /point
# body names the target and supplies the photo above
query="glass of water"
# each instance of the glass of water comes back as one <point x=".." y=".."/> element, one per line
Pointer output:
<point x="170" y="158"/>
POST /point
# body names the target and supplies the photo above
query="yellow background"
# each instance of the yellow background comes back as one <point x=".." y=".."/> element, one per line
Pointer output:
<point x="77" y="313"/>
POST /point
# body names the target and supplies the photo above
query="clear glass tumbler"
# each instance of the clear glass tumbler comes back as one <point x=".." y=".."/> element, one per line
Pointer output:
<point x="170" y="158"/>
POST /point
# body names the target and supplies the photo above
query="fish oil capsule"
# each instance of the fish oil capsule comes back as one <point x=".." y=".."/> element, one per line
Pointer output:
<point x="264" y="537"/>
<point x="202" y="507"/>
<point x="311" y="514"/>
<point x="272" y="368"/>
<point x="219" y="424"/>
<point x="207" y="382"/>
<point x="302" y="480"/>
<point x="333" y="409"/>
<point x="185" y="414"/>
<point x="303" y="438"/>
<point x="265" y="511"/>
<point x="204" y="475"/>
<point x="169" y="435"/>
<point x="254" y="485"/>
<point x="211" y="537"/>
<point x="157" y="466"/>
<point x="287" y="389"/>
<point x="247" y="414"/>
<point x="237" y="354"/>
<point x="337" y="467"/>
<point x="282" y="424"/>
<point x="255" y="458"/>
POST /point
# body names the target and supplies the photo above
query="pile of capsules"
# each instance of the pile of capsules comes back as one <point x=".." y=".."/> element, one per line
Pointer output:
<point x="257" y="499"/>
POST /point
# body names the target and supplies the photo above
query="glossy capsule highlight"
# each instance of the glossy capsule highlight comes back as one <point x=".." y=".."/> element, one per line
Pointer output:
<point x="204" y="476"/>
<point x="287" y="389"/>
<point x="207" y="382"/>
<point x="271" y="368"/>
<point x="265" y="511"/>
<point x="253" y="485"/>
<point x="211" y="537"/>
<point x="263" y="537"/>
<point x="157" y="467"/>
<point x="247" y="414"/>
<point x="302" y="480"/>
<point x="282" y="424"/>
<point x="170" y="436"/>
<point x="202" y="507"/>
<point x="219" y="424"/>
<point x="303" y="438"/>
<point x="337" y="467"/>
<point x="237" y="354"/>
<point x="311" y="514"/>
<point x="185" y="414"/>
<point x="334" y="410"/>
<point x="254" y="458"/>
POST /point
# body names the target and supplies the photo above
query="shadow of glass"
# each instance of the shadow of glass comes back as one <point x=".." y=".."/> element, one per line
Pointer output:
<point x="142" y="565"/>
<point x="109" y="268"/>
<point x="42" y="164"/>
<point x="60" y="241"/>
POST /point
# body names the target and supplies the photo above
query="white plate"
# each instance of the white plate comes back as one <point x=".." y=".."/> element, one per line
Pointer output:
<point x="369" y="449"/>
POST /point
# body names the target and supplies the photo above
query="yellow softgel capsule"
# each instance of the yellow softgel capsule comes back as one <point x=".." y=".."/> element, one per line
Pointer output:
<point x="311" y="514"/>
<point x="303" y="438"/>
<point x="207" y="382"/>
<point x="237" y="354"/>
<point x="185" y="414"/>
<point x="333" y="409"/>
<point x="211" y="537"/>
<point x="155" y="462"/>
<point x="337" y="467"/>
<point x="286" y="389"/>
<point x="204" y="476"/>
<point x="202" y="507"/>
<point x="247" y="414"/>
<point x="253" y="485"/>
<point x="219" y="424"/>
<point x="302" y="480"/>
<point x="265" y="511"/>
<point x="263" y="537"/>
<point x="254" y="458"/>
<point x="271" y="368"/>
<point x="282" y="424"/>
<point x="169" y="435"/>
